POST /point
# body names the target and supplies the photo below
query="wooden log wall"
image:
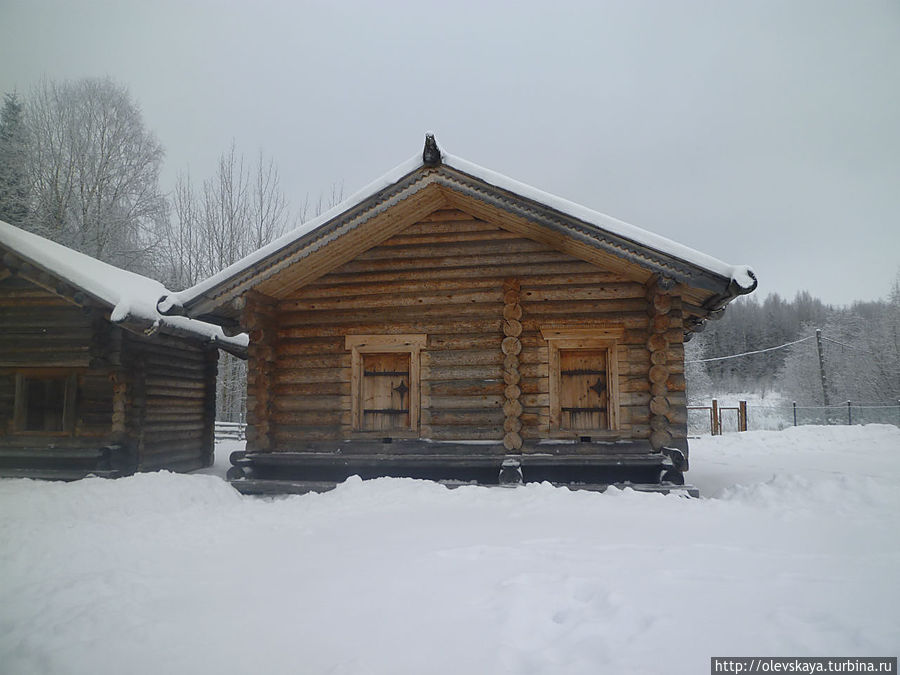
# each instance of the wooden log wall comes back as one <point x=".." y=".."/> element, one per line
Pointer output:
<point x="444" y="277"/>
<point x="39" y="327"/>
<point x="511" y="346"/>
<point x="262" y="385"/>
<point x="45" y="334"/>
<point x="668" y="404"/>
<point x="172" y="394"/>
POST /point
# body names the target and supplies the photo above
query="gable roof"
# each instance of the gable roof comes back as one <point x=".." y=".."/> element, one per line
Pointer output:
<point x="131" y="298"/>
<point x="485" y="192"/>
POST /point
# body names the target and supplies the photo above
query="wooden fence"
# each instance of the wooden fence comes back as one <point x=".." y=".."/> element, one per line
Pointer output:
<point x="235" y="431"/>
<point x="715" y="415"/>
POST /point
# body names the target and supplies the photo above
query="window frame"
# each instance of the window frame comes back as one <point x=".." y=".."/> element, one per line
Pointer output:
<point x="20" y="407"/>
<point x="566" y="339"/>
<point x="358" y="345"/>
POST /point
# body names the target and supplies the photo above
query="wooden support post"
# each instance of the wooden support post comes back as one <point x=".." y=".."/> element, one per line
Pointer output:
<point x="822" y="368"/>
<point x="511" y="346"/>
<point x="211" y="368"/>
<point x="258" y="314"/>
<point x="742" y="416"/>
<point x="716" y="424"/>
<point x="661" y="412"/>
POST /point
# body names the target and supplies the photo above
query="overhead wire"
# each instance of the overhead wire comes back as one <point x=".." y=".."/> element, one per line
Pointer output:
<point x="758" y="351"/>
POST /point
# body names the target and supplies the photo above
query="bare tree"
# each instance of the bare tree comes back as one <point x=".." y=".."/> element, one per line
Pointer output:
<point x="238" y="210"/>
<point x="94" y="171"/>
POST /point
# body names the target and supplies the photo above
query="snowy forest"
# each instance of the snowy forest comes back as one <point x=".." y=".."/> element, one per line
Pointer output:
<point x="79" y="166"/>
<point x="860" y="351"/>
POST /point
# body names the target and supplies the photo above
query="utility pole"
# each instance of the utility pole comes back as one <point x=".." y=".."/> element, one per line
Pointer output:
<point x="822" y="366"/>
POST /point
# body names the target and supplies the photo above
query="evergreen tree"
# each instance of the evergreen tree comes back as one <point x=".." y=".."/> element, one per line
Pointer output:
<point x="14" y="185"/>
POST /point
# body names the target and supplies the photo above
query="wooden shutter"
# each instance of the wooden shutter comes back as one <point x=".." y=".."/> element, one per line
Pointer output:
<point x="385" y="391"/>
<point x="583" y="389"/>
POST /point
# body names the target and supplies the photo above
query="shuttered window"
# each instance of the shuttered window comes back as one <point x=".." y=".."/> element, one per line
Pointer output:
<point x="583" y="389"/>
<point x="385" y="384"/>
<point x="583" y="379"/>
<point x="385" y="392"/>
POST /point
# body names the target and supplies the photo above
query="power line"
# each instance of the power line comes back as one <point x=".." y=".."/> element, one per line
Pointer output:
<point x="859" y="349"/>
<point x="758" y="351"/>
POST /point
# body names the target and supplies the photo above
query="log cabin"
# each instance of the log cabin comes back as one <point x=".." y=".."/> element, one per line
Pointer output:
<point x="448" y="322"/>
<point x="93" y="380"/>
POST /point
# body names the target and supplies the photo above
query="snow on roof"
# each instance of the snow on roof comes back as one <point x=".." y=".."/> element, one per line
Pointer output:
<point x="742" y="275"/>
<point x="129" y="295"/>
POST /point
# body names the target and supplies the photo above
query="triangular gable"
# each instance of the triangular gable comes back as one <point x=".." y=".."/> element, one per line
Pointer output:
<point x="427" y="183"/>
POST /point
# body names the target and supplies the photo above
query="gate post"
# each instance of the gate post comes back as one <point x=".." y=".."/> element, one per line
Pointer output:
<point x="716" y="426"/>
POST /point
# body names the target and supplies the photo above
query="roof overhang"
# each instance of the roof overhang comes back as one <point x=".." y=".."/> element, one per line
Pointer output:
<point x="372" y="216"/>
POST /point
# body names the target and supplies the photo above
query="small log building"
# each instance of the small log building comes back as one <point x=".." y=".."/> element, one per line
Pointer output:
<point x="92" y="378"/>
<point x="448" y="322"/>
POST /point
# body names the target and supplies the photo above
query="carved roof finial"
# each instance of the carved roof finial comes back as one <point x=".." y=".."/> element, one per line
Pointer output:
<point x="431" y="155"/>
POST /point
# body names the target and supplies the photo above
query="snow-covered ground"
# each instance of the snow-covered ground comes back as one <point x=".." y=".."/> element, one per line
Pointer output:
<point x="793" y="550"/>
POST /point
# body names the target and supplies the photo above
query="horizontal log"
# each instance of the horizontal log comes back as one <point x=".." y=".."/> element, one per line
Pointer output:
<point x="313" y="418"/>
<point x="572" y="292"/>
<point x="159" y="417"/>
<point x="152" y="426"/>
<point x="584" y="318"/>
<point x="173" y="382"/>
<point x="311" y="375"/>
<point x="435" y="218"/>
<point x="475" y="402"/>
<point x="510" y="248"/>
<point x="463" y="433"/>
<point x="180" y="350"/>
<point x="427" y="325"/>
<point x="480" y="372"/>
<point x="322" y="389"/>
<point x="462" y="388"/>
<point x="54" y="361"/>
<point x="302" y="362"/>
<point x="553" y="273"/>
<point x="634" y="398"/>
<point x="445" y="418"/>
<point x="13" y="337"/>
<point x="461" y="357"/>
<point x="310" y="346"/>
<point x="385" y="316"/>
<point x="477" y="261"/>
<point x="598" y="308"/>
<point x="392" y="300"/>
<point x="438" y="240"/>
<point x="164" y="395"/>
<point x="295" y="402"/>
<point x="283" y="435"/>
<point x="175" y="369"/>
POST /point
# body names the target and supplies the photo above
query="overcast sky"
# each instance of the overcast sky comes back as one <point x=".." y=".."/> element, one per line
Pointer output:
<point x="764" y="132"/>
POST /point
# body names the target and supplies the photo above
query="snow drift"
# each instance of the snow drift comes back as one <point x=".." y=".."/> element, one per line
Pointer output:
<point x="791" y="553"/>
